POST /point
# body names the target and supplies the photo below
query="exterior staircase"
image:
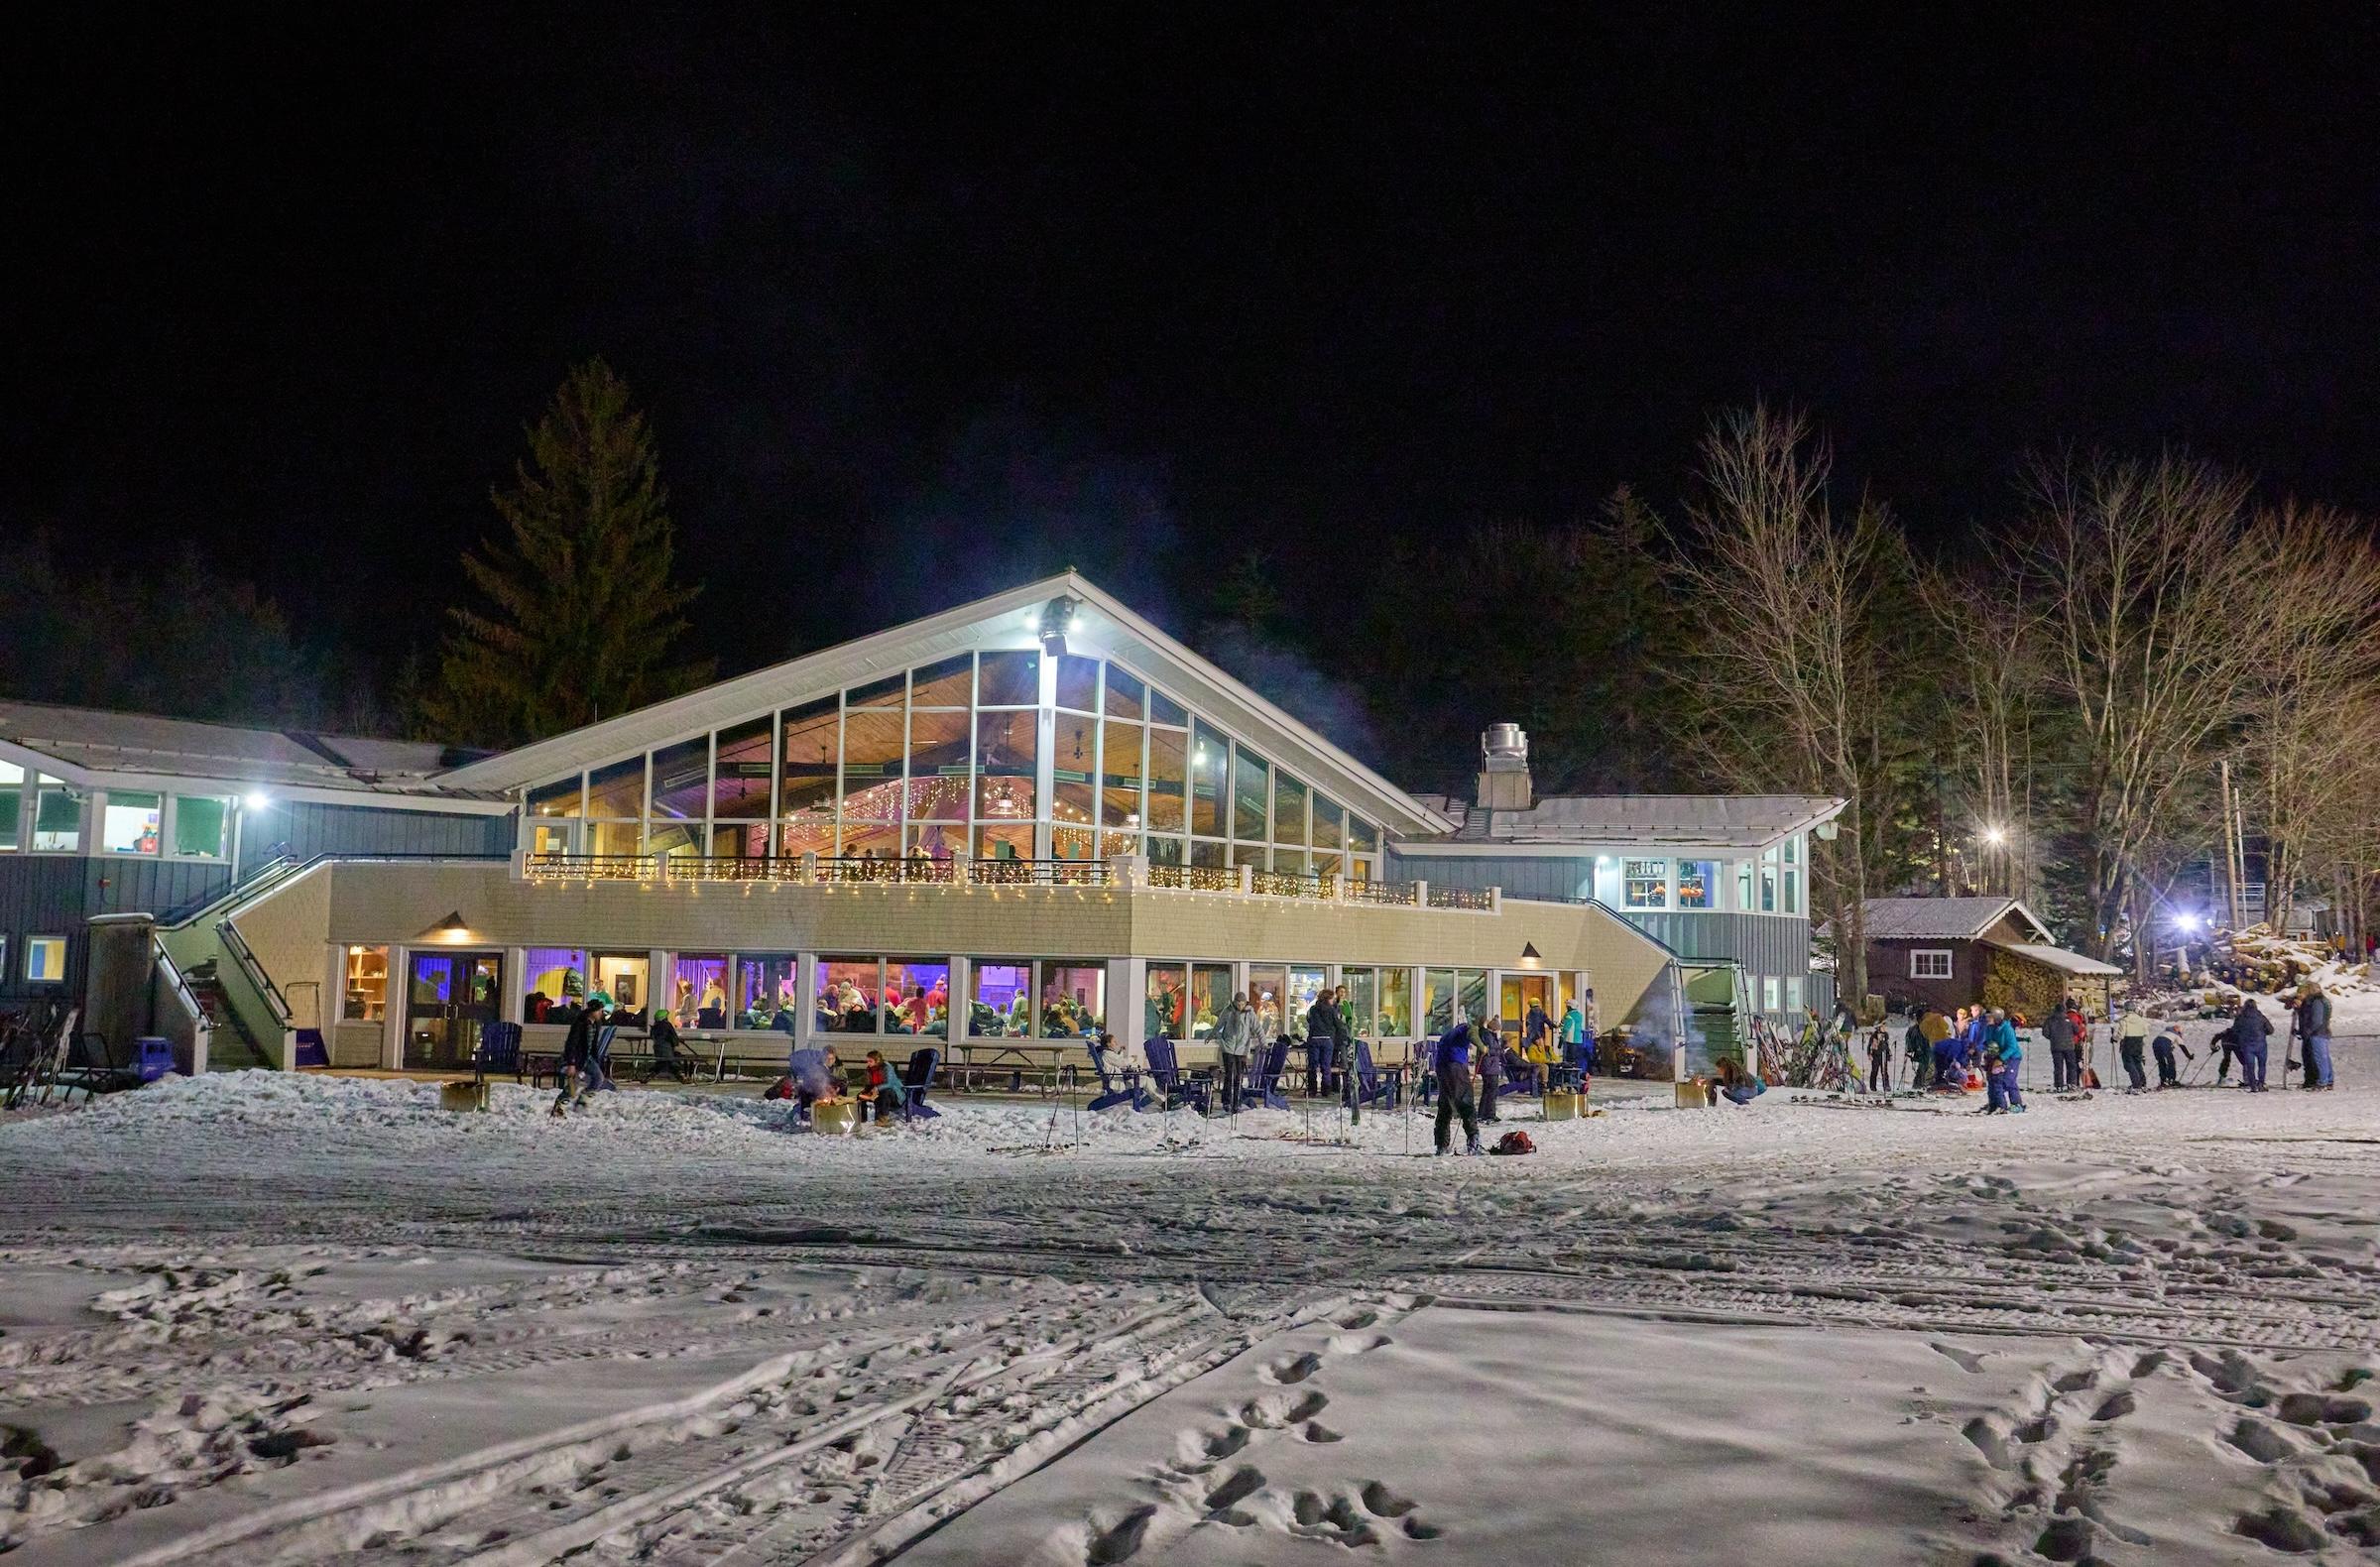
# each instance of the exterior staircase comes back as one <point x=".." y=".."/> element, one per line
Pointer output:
<point x="231" y="1047"/>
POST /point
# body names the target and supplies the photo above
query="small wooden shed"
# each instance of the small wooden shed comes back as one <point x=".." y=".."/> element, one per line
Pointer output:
<point x="1943" y="953"/>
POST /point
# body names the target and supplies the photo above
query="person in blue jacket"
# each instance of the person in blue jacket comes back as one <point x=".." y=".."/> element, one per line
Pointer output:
<point x="2002" y="1055"/>
<point x="1454" y="1051"/>
<point x="2250" y="1031"/>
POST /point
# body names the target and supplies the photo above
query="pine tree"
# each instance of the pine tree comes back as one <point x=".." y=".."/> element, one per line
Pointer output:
<point x="580" y="615"/>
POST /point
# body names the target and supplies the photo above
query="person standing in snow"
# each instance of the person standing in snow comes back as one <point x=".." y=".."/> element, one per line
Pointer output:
<point x="1235" y="1038"/>
<point x="2002" y="1057"/>
<point x="2251" y="1031"/>
<point x="2311" y="1026"/>
<point x="2066" y="1057"/>
<point x="1453" y="1053"/>
<point x="2167" y="1043"/>
<point x="1576" y="1053"/>
<point x="1490" y="1066"/>
<point x="1879" y="1061"/>
<point x="1323" y="1029"/>
<point x="1933" y="1029"/>
<point x="2131" y="1038"/>
<point x="1918" y="1053"/>
<point x="579" y="1072"/>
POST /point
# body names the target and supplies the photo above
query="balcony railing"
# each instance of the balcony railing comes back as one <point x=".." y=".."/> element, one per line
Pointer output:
<point x="829" y="871"/>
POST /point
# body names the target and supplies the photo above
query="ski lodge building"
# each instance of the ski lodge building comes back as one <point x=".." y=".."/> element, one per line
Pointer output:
<point x="995" y="827"/>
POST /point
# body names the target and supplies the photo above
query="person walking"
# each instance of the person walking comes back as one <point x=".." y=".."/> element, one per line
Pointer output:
<point x="1490" y="1066"/>
<point x="2252" y="1033"/>
<point x="579" y="1070"/>
<point x="1453" y="1053"/>
<point x="1235" y="1038"/>
<point x="2313" y="1025"/>
<point x="2066" y="1057"/>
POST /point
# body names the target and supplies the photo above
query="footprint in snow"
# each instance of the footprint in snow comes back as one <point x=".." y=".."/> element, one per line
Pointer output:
<point x="1288" y="1373"/>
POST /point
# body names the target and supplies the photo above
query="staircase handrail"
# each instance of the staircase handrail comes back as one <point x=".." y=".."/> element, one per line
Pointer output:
<point x="237" y="945"/>
<point x="279" y="863"/>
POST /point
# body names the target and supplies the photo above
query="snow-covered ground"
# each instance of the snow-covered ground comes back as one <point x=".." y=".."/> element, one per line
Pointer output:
<point x="267" y="1320"/>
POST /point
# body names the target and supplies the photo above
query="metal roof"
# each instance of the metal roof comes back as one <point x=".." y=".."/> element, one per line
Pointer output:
<point x="89" y="745"/>
<point x="2059" y="958"/>
<point x="1941" y="918"/>
<point x="1746" y="822"/>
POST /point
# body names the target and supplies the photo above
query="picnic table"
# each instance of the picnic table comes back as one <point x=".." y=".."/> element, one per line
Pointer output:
<point x="1046" y="1058"/>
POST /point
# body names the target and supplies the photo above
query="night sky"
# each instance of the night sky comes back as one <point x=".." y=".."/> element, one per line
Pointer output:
<point x="923" y="302"/>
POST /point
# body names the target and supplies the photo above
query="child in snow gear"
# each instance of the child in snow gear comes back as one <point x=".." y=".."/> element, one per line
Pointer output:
<point x="2002" y="1055"/>
<point x="1454" y="1054"/>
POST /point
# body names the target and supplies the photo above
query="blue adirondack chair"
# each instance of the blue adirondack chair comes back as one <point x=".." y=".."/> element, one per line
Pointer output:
<point x="917" y="1080"/>
<point x="1117" y="1085"/>
<point x="1521" y="1074"/>
<point x="807" y="1069"/>
<point x="1372" y="1086"/>
<point x="1265" y="1075"/>
<point x="1165" y="1070"/>
<point x="497" y="1051"/>
<point x="599" y="1059"/>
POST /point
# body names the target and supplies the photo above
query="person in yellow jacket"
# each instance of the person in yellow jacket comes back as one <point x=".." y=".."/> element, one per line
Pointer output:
<point x="1935" y="1028"/>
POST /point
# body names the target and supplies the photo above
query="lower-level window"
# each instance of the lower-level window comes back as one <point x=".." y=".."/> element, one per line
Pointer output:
<point x="999" y="999"/>
<point x="1074" y="998"/>
<point x="46" y="960"/>
<point x="848" y="990"/>
<point x="1771" y="998"/>
<point x="367" y="987"/>
<point x="1930" y="963"/>
<point x="1793" y="995"/>
<point x="1165" y="1007"/>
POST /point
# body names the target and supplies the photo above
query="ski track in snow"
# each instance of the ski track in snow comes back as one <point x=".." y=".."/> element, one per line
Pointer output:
<point x="266" y="1321"/>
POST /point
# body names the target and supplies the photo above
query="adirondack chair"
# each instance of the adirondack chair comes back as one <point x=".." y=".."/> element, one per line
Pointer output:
<point x="497" y="1051"/>
<point x="27" y="1056"/>
<point x="916" y="1081"/>
<point x="1120" y="1085"/>
<point x="1265" y="1072"/>
<point x="599" y="1058"/>
<point x="1521" y="1074"/>
<point x="311" y="1050"/>
<point x="1372" y="1086"/>
<point x="1165" y="1070"/>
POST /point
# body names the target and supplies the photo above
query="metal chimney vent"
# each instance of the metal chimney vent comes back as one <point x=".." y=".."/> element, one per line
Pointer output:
<point x="1504" y="768"/>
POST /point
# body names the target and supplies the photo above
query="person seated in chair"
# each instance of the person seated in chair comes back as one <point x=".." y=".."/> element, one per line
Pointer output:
<point x="880" y="1085"/>
<point x="1730" y="1082"/>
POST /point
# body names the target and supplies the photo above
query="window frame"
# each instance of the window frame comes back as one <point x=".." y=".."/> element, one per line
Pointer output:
<point x="1918" y="965"/>
<point x="35" y="943"/>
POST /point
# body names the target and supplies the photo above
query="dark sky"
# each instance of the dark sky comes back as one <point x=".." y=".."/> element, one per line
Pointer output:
<point x="921" y="301"/>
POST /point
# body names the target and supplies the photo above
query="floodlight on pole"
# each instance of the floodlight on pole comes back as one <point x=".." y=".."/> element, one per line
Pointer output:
<point x="1995" y="835"/>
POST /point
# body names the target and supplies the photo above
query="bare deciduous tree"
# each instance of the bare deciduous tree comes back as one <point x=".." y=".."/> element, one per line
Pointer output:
<point x="2145" y="577"/>
<point x="1790" y="663"/>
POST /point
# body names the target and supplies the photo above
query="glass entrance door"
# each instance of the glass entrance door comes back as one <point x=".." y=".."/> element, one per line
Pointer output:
<point x="450" y="999"/>
<point x="1519" y="990"/>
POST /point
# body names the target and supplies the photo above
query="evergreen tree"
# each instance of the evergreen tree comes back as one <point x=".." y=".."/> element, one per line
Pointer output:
<point x="581" y="616"/>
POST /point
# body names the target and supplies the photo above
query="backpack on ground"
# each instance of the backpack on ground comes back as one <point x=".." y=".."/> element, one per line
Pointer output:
<point x="1515" y="1143"/>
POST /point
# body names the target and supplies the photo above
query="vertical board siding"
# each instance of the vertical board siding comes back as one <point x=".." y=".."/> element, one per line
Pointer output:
<point x="56" y="895"/>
